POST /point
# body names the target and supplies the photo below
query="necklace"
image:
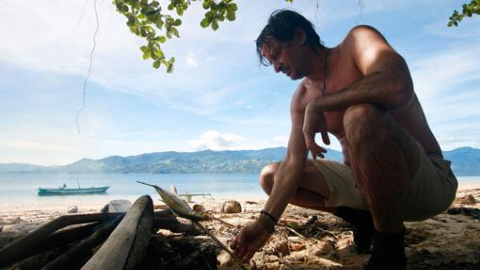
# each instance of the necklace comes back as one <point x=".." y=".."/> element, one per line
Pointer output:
<point x="325" y="66"/>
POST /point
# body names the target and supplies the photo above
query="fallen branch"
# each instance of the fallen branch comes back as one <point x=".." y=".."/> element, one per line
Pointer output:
<point x="128" y="242"/>
<point x="28" y="245"/>
<point x="84" y="248"/>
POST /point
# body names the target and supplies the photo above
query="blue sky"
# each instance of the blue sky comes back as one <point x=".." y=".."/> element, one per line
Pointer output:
<point x="218" y="97"/>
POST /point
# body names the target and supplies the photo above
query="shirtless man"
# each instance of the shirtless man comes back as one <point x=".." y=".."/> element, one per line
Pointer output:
<point x="361" y="92"/>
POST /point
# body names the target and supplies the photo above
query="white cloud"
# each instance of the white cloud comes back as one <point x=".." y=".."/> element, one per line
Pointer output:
<point x="440" y="73"/>
<point x="215" y="140"/>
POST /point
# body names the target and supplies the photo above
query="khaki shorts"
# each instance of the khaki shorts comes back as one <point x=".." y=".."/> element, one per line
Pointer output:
<point x="429" y="192"/>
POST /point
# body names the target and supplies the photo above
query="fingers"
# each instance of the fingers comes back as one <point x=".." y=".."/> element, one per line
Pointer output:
<point x="234" y="243"/>
<point x="316" y="150"/>
<point x="325" y="138"/>
<point x="248" y="255"/>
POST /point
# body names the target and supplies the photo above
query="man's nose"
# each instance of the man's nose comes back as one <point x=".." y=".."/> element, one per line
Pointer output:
<point x="278" y="67"/>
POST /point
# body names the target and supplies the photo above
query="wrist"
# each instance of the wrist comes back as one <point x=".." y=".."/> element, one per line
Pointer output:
<point x="266" y="223"/>
<point x="270" y="216"/>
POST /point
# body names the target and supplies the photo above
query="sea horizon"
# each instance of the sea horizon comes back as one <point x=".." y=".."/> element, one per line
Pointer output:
<point x="18" y="191"/>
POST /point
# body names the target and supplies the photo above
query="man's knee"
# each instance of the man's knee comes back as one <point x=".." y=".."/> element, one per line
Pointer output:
<point x="267" y="175"/>
<point x="361" y="120"/>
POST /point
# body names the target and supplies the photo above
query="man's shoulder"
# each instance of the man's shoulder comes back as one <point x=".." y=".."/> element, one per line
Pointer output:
<point x="363" y="31"/>
<point x="301" y="87"/>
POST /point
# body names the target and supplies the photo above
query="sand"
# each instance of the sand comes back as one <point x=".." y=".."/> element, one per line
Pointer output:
<point x="447" y="241"/>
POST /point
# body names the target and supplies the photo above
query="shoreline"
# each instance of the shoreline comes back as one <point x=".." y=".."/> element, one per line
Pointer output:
<point x="96" y="204"/>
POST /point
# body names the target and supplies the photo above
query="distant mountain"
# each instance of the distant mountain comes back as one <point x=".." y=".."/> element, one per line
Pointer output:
<point x="18" y="167"/>
<point x="465" y="161"/>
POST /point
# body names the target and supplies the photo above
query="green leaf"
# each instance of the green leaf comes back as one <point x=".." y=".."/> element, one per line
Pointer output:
<point x="177" y="22"/>
<point x="233" y="6"/>
<point x="205" y="23"/>
<point x="161" y="39"/>
<point x="156" y="64"/>
<point x="175" y="32"/>
<point x="215" y="25"/>
<point x="231" y="15"/>
<point x="170" y="68"/>
<point x="147" y="55"/>
<point x="144" y="49"/>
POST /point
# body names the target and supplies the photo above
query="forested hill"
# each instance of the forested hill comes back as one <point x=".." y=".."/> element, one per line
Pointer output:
<point x="466" y="161"/>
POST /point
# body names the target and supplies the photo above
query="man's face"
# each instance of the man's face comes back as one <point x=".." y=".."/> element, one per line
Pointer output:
<point x="284" y="57"/>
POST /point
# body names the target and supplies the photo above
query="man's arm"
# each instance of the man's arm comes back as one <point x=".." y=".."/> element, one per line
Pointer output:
<point x="292" y="167"/>
<point x="254" y="235"/>
<point x="386" y="83"/>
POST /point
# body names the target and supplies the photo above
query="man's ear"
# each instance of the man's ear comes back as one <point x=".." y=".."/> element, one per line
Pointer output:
<point x="299" y="37"/>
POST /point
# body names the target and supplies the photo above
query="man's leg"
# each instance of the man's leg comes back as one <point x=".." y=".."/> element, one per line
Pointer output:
<point x="382" y="166"/>
<point x="312" y="193"/>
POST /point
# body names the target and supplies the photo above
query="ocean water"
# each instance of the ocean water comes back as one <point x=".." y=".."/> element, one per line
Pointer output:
<point x="19" y="191"/>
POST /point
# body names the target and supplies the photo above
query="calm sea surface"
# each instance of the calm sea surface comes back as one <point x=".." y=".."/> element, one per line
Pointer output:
<point x="20" y="190"/>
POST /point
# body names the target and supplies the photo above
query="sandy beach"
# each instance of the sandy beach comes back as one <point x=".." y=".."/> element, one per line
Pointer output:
<point x="450" y="240"/>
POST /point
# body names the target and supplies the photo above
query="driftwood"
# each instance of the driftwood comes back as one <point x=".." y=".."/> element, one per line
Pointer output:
<point x="128" y="242"/>
<point x="35" y="241"/>
<point x="83" y="249"/>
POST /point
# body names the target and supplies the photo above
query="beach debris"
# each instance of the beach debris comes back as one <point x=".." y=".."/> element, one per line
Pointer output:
<point x="467" y="211"/>
<point x="117" y="206"/>
<point x="44" y="237"/>
<point x="198" y="208"/>
<point x="177" y="205"/>
<point x="173" y="189"/>
<point x="182" y="209"/>
<point x="126" y="246"/>
<point x="72" y="209"/>
<point x="468" y="200"/>
<point x="83" y="248"/>
<point x="231" y="207"/>
<point x="8" y="237"/>
<point x="281" y="247"/>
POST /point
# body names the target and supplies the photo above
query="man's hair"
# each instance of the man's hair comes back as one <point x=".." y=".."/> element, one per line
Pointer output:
<point x="281" y="27"/>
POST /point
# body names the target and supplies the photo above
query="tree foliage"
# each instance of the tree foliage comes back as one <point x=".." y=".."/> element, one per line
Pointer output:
<point x="148" y="19"/>
<point x="467" y="10"/>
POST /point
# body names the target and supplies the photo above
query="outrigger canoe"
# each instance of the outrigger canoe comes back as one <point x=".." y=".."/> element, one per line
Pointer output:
<point x="71" y="191"/>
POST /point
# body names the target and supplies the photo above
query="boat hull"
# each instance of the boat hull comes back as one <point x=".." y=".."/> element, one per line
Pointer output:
<point x="71" y="191"/>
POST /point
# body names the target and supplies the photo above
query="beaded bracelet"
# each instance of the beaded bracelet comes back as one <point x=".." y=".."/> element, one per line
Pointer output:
<point x="263" y="212"/>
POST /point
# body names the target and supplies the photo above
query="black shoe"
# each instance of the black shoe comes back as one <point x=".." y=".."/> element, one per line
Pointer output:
<point x="363" y="228"/>
<point x="388" y="252"/>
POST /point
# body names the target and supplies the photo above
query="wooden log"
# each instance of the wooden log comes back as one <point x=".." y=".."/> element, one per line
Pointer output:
<point x="26" y="246"/>
<point x="128" y="242"/>
<point x="60" y="239"/>
<point x="84" y="248"/>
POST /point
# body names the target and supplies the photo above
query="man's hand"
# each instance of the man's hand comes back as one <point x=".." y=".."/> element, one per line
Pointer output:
<point x="249" y="240"/>
<point x="315" y="122"/>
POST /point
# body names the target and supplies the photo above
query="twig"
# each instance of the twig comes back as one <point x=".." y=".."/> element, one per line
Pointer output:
<point x="235" y="257"/>
<point x="223" y="222"/>
<point x="327" y="232"/>
<point x="295" y="232"/>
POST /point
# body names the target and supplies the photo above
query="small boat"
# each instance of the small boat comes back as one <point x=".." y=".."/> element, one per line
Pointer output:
<point x="63" y="190"/>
